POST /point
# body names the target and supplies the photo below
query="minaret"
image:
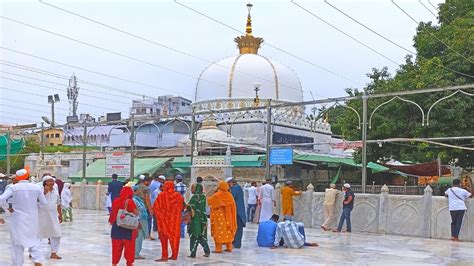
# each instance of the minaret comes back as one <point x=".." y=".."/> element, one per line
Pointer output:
<point x="248" y="44"/>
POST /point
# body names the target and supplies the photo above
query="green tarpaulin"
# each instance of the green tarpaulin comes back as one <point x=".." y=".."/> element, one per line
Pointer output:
<point x="376" y="168"/>
<point x="337" y="161"/>
<point x="15" y="146"/>
<point x="96" y="170"/>
<point x="237" y="161"/>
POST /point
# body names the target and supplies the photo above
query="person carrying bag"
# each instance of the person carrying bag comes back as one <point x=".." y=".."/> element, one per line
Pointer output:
<point x="124" y="212"/>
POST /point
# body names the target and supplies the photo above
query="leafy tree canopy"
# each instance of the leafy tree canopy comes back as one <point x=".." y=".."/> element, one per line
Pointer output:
<point x="439" y="47"/>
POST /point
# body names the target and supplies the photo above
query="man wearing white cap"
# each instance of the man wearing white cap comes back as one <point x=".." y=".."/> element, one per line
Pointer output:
<point x="24" y="218"/>
<point x="266" y="199"/>
<point x="347" y="206"/>
<point x="50" y="216"/>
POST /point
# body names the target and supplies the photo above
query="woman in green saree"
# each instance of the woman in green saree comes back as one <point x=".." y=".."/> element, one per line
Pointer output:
<point x="197" y="227"/>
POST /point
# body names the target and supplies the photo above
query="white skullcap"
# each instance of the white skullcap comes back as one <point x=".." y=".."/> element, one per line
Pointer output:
<point x="228" y="179"/>
<point x="46" y="178"/>
<point x="141" y="177"/>
<point x="21" y="172"/>
<point x="162" y="177"/>
<point x="346" y="185"/>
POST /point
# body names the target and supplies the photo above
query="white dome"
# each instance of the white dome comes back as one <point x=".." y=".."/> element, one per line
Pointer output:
<point x="208" y="135"/>
<point x="234" y="77"/>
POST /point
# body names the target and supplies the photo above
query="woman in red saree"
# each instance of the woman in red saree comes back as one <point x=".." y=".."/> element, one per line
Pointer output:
<point x="123" y="240"/>
<point x="168" y="207"/>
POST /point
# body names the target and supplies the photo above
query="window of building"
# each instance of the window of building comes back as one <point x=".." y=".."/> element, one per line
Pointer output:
<point x="57" y="135"/>
<point x="47" y="136"/>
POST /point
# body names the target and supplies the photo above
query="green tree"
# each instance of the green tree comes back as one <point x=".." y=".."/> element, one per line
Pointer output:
<point x="447" y="45"/>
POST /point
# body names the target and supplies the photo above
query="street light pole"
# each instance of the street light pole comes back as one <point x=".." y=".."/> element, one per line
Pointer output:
<point x="53" y="99"/>
<point x="8" y="150"/>
<point x="84" y="158"/>
<point x="364" y="141"/>
<point x="269" y="139"/>
<point x="52" y="114"/>
<point x="132" y="147"/>
<point x="193" y="136"/>
<point x="42" y="142"/>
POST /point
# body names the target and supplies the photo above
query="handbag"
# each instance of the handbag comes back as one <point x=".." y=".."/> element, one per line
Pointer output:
<point x="126" y="219"/>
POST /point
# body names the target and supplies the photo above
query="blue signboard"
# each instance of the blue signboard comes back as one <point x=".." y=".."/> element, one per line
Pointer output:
<point x="281" y="155"/>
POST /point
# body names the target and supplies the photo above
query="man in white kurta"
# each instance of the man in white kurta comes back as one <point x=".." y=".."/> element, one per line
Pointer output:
<point x="267" y="200"/>
<point x="24" y="232"/>
<point x="50" y="217"/>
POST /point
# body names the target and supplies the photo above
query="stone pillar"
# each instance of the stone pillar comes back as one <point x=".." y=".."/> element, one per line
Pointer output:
<point x="383" y="210"/>
<point x="83" y="194"/>
<point x="228" y="162"/>
<point x="97" y="195"/>
<point x="426" y="210"/>
<point x="308" y="205"/>
<point x="193" y="164"/>
<point x="277" y="195"/>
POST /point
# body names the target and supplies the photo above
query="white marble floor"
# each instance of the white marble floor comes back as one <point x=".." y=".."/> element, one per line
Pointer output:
<point x="86" y="241"/>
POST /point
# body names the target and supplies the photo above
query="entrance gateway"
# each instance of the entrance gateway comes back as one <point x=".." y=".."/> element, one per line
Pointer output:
<point x="211" y="170"/>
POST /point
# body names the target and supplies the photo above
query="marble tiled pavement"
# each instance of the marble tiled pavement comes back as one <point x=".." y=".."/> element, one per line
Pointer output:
<point x="86" y="241"/>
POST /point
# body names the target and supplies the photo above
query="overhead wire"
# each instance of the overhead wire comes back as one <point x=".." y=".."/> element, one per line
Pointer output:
<point x="345" y="33"/>
<point x="60" y="90"/>
<point x="270" y="44"/>
<point x="114" y="28"/>
<point x="35" y="104"/>
<point x="80" y="80"/>
<point x="116" y="53"/>
<point x="431" y="4"/>
<point x="16" y="119"/>
<point x="92" y="71"/>
<point x="430" y="33"/>
<point x="428" y="9"/>
<point x="392" y="42"/>
<point x="82" y="88"/>
<point x="42" y="96"/>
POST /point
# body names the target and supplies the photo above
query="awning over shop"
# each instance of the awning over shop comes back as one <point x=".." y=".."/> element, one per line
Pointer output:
<point x="333" y="161"/>
<point x="237" y="161"/>
<point x="96" y="170"/>
<point x="325" y="159"/>
<point x="421" y="169"/>
<point x="377" y="168"/>
<point x="178" y="170"/>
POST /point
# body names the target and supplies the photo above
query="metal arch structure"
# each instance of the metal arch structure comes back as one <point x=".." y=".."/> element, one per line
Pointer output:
<point x="172" y="120"/>
<point x="402" y="99"/>
<point x="345" y="106"/>
<point x="144" y="124"/>
<point x="117" y="126"/>
<point x="442" y="99"/>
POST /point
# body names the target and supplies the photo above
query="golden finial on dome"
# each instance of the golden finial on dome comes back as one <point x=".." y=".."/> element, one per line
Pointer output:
<point x="248" y="28"/>
<point x="248" y="44"/>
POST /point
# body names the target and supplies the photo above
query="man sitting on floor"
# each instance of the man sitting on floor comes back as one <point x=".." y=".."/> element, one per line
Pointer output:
<point x="268" y="234"/>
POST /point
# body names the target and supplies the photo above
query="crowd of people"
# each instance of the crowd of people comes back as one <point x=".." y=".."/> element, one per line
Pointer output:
<point x="164" y="205"/>
<point x="37" y="210"/>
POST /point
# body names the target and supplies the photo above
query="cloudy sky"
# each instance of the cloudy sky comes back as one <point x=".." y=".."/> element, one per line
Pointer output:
<point x="26" y="52"/>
